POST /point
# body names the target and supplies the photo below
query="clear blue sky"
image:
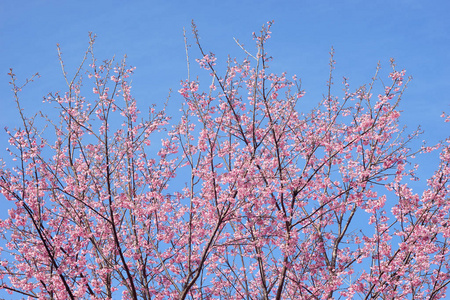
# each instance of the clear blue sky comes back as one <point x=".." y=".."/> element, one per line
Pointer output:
<point x="414" y="32"/>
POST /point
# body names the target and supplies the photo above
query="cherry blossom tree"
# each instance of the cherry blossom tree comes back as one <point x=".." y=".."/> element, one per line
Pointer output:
<point x="245" y="197"/>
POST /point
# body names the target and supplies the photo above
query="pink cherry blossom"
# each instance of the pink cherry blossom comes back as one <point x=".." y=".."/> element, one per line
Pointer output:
<point x="245" y="196"/>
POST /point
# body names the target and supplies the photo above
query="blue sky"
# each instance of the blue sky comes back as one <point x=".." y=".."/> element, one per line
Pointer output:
<point x="416" y="33"/>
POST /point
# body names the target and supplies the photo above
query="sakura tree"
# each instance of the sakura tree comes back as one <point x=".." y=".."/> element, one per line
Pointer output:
<point x="247" y="196"/>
